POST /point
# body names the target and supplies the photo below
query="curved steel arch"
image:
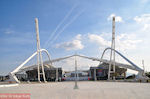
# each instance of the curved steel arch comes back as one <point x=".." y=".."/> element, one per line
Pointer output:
<point x="132" y="64"/>
<point x="19" y="67"/>
<point x="12" y="74"/>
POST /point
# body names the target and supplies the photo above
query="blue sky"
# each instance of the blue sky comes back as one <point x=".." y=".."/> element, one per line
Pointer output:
<point x="81" y="26"/>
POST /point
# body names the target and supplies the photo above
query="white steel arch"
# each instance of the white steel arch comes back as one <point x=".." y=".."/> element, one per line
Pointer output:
<point x="134" y="66"/>
<point x="12" y="74"/>
<point x="131" y="66"/>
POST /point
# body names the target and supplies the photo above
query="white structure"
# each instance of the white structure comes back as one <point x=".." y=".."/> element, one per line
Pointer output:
<point x="132" y="66"/>
<point x="76" y="75"/>
<point x="20" y="68"/>
<point x="112" y="53"/>
<point x="39" y="54"/>
<point x="39" y="59"/>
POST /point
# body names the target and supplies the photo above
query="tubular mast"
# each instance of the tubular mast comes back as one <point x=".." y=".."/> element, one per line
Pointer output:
<point x="112" y="54"/>
<point x="39" y="54"/>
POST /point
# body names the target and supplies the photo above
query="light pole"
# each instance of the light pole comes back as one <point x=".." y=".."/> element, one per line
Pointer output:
<point x="143" y="66"/>
<point x="76" y="75"/>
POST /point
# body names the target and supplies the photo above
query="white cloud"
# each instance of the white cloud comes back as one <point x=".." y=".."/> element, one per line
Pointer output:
<point x="8" y="31"/>
<point x="127" y="42"/>
<point x="144" y="1"/>
<point x="99" y="40"/>
<point x="75" y="44"/>
<point x="146" y="27"/>
<point x="117" y="18"/>
<point x="123" y="41"/>
<point x="145" y="18"/>
<point x="78" y="37"/>
<point x="144" y="21"/>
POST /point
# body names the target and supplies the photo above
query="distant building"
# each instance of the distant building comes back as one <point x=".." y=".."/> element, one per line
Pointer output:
<point x="101" y="72"/>
<point x="51" y="74"/>
<point x="3" y="78"/>
<point x="70" y="76"/>
<point x="22" y="76"/>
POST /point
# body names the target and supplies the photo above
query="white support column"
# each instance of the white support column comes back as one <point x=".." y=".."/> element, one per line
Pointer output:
<point x="39" y="59"/>
<point x="38" y="64"/>
<point x="76" y="75"/>
<point x="95" y="78"/>
<point x="112" y="54"/>
<point x="143" y="65"/>
<point x="56" y="74"/>
<point x="113" y="30"/>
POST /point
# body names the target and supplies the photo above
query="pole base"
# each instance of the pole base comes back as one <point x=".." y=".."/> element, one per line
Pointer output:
<point x="76" y="86"/>
<point x="45" y="81"/>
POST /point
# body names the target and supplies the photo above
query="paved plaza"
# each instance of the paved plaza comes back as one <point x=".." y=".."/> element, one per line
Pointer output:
<point x="87" y="90"/>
